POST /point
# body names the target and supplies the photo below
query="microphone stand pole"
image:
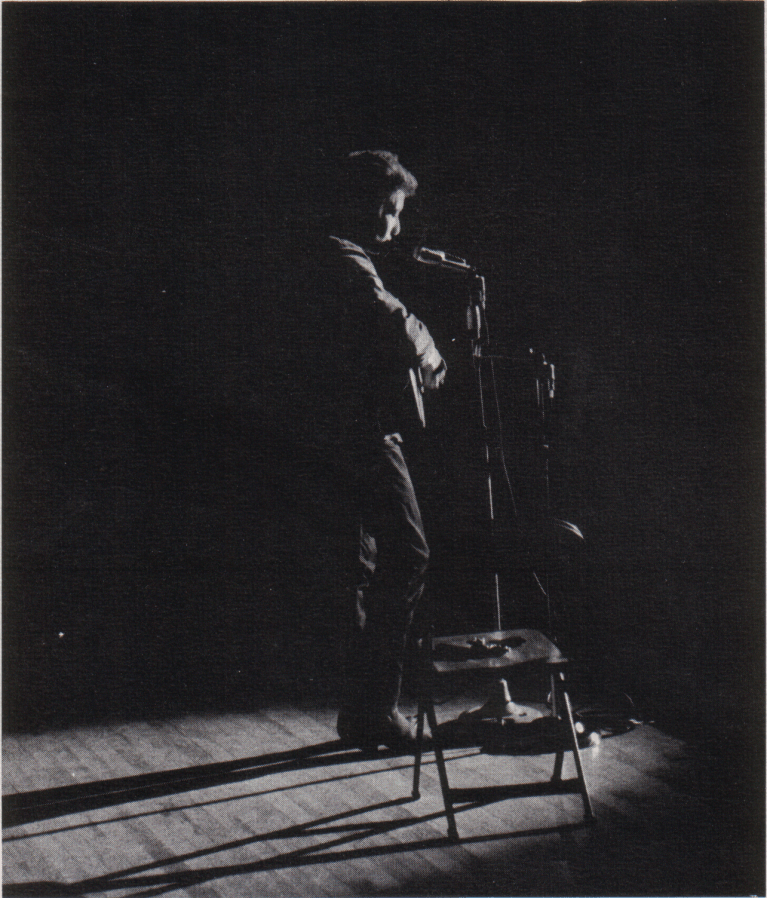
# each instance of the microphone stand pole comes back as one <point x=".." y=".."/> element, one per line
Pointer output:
<point x="544" y="394"/>
<point x="476" y="322"/>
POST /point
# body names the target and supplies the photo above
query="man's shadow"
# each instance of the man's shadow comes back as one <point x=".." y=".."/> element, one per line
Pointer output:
<point x="44" y="804"/>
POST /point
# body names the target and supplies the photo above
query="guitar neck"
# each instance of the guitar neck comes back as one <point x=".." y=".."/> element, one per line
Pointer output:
<point x="416" y="384"/>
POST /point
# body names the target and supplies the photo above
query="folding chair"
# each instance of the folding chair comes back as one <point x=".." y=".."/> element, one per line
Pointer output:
<point x="501" y="652"/>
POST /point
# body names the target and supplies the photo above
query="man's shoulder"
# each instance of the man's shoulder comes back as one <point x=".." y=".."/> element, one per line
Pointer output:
<point x="346" y="246"/>
<point x="353" y="254"/>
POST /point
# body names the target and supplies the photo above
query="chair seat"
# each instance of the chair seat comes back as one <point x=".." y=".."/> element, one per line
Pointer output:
<point x="494" y="650"/>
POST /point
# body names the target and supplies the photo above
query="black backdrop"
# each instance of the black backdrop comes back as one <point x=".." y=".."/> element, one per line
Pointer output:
<point x="168" y="541"/>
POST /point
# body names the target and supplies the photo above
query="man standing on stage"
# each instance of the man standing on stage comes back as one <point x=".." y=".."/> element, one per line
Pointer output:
<point x="374" y="340"/>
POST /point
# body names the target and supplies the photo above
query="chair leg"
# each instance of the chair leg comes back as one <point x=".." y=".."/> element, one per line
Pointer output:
<point x="587" y="809"/>
<point x="452" y="831"/>
<point x="553" y="697"/>
<point x="418" y="751"/>
<point x="556" y="776"/>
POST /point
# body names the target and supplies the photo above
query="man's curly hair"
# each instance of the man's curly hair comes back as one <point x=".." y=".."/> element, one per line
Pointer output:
<point x="379" y="172"/>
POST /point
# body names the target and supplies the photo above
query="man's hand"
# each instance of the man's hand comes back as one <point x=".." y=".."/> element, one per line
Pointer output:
<point x="433" y="377"/>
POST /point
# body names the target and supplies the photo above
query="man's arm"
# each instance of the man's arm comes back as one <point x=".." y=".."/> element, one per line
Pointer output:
<point x="407" y="331"/>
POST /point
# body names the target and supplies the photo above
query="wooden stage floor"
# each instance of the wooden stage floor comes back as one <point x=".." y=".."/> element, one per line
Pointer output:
<point x="267" y="803"/>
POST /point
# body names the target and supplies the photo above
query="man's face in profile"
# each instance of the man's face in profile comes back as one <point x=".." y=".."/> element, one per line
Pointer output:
<point x="388" y="216"/>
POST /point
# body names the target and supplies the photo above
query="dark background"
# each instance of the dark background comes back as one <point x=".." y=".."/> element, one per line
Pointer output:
<point x="169" y="542"/>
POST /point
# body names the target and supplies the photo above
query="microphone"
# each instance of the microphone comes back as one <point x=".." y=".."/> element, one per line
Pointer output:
<point x="441" y="258"/>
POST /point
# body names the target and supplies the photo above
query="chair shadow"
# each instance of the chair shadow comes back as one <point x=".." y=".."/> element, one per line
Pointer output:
<point x="45" y="804"/>
<point x="154" y="878"/>
<point x="151" y="879"/>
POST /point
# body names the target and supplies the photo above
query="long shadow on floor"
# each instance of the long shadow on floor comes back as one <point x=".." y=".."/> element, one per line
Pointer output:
<point x="44" y="804"/>
<point x="640" y="846"/>
<point x="154" y="878"/>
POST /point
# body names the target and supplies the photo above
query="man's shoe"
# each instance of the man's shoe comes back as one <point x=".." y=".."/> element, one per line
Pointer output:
<point x="397" y="731"/>
<point x="350" y="726"/>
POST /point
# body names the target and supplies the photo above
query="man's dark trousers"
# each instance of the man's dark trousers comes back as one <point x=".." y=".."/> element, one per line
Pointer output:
<point x="393" y="557"/>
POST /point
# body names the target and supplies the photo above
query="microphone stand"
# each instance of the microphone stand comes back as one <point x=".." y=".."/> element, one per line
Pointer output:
<point x="477" y="327"/>
<point x="544" y="396"/>
<point x="476" y="322"/>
